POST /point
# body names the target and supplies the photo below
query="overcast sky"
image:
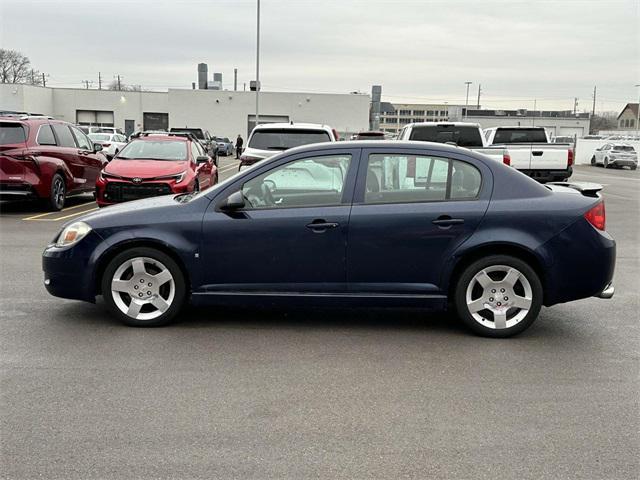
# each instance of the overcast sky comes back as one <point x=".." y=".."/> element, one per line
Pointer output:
<point x="418" y="50"/>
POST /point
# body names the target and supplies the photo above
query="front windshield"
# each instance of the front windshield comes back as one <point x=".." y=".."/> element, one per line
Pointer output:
<point x="283" y="139"/>
<point x="99" y="137"/>
<point x="154" y="150"/>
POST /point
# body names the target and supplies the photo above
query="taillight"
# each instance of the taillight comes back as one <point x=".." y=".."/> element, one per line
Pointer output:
<point x="506" y="159"/>
<point x="570" y="158"/>
<point x="596" y="216"/>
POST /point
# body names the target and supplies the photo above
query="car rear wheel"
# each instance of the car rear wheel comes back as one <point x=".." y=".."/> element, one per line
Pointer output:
<point x="498" y="296"/>
<point x="593" y="160"/>
<point x="143" y="287"/>
<point x="57" y="194"/>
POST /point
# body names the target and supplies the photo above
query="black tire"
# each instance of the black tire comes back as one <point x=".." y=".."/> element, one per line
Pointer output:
<point x="605" y="163"/>
<point x="633" y="167"/>
<point x="180" y="292"/>
<point x="468" y="274"/>
<point x="57" y="193"/>
<point x="593" y="161"/>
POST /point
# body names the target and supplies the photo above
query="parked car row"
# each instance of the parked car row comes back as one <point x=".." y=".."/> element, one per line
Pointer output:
<point x="49" y="160"/>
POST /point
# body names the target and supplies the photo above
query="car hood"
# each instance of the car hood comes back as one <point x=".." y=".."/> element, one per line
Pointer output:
<point x="145" y="168"/>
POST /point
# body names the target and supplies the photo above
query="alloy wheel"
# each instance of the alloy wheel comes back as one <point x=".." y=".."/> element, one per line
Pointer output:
<point x="58" y="192"/>
<point x="143" y="288"/>
<point x="499" y="297"/>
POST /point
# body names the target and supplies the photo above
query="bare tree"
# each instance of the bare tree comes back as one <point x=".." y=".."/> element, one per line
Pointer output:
<point x="16" y="68"/>
<point x="114" y="85"/>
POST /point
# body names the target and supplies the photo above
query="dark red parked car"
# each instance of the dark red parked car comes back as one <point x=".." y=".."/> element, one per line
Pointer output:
<point x="156" y="164"/>
<point x="43" y="158"/>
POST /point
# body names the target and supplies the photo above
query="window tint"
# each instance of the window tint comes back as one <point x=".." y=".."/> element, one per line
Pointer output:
<point x="11" y="133"/>
<point x="283" y="139"/>
<point x="308" y="182"/>
<point x="65" y="139"/>
<point x="45" y="135"/>
<point x="460" y="135"/>
<point x="195" y="153"/>
<point x="400" y="178"/>
<point x="520" y="135"/>
<point x="83" y="142"/>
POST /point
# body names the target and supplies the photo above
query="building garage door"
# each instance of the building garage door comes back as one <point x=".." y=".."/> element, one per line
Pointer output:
<point x="155" y="121"/>
<point x="251" y="121"/>
<point x="575" y="132"/>
<point x="99" y="118"/>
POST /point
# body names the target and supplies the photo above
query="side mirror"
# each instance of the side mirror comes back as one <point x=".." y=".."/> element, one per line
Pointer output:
<point x="234" y="201"/>
<point x="97" y="147"/>
<point x="202" y="159"/>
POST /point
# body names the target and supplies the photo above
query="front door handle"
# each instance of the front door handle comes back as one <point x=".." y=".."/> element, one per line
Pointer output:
<point x="445" y="221"/>
<point x="320" y="226"/>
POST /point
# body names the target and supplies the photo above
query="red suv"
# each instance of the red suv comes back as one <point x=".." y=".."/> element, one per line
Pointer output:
<point x="156" y="164"/>
<point x="46" y="159"/>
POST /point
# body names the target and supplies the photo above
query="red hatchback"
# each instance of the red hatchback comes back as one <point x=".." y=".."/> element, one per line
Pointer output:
<point x="43" y="158"/>
<point x="155" y="164"/>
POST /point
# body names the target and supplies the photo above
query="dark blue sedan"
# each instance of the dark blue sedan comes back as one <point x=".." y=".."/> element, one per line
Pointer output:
<point x="355" y="223"/>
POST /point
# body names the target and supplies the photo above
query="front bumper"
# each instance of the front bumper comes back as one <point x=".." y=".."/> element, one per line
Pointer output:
<point x="68" y="271"/>
<point x="608" y="292"/>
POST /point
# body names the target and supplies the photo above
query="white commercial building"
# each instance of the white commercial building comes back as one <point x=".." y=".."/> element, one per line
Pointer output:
<point x="223" y="113"/>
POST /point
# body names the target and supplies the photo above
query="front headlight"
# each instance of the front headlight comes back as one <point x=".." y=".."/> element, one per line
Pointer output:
<point x="72" y="234"/>
<point x="178" y="177"/>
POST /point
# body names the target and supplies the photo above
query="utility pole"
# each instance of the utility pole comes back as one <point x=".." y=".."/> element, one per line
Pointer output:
<point x="638" y="112"/>
<point x="235" y="79"/>
<point x="257" y="62"/>
<point x="479" y="90"/>
<point x="44" y="80"/>
<point x="535" y="105"/>
<point x="33" y="78"/>
<point x="86" y="83"/>
<point x="119" y="84"/>
<point x="575" y="105"/>
<point x="99" y="81"/>
<point x="466" y="103"/>
<point x="593" y="110"/>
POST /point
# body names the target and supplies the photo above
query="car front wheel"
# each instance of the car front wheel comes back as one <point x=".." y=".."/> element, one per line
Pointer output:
<point x="143" y="287"/>
<point x="498" y="296"/>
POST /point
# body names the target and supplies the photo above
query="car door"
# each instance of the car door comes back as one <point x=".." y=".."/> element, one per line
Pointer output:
<point x="411" y="210"/>
<point x="291" y="234"/>
<point x="67" y="151"/>
<point x="93" y="162"/>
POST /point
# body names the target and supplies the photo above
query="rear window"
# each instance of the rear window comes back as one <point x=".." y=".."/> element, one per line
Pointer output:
<point x="100" y="137"/>
<point x="624" y="148"/>
<point x="460" y="135"/>
<point x="520" y="135"/>
<point x="196" y="132"/>
<point x="154" y="150"/>
<point x="283" y="139"/>
<point x="11" y="133"/>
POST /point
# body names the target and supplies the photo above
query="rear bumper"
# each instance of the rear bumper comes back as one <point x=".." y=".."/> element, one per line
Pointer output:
<point x="548" y="175"/>
<point x="16" y="190"/>
<point x="623" y="162"/>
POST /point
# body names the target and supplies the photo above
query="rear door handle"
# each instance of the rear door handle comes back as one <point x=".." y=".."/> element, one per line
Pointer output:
<point x="446" y="221"/>
<point x="320" y="226"/>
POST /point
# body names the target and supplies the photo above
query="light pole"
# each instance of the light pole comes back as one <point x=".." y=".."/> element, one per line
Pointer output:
<point x="258" y="63"/>
<point x="466" y="103"/>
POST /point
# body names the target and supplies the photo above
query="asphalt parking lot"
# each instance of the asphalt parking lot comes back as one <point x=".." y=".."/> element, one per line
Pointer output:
<point x="238" y="393"/>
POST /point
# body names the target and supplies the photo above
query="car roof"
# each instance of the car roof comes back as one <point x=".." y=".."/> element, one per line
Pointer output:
<point x="293" y="126"/>
<point x="377" y="144"/>
<point x="435" y="124"/>
<point x="163" y="137"/>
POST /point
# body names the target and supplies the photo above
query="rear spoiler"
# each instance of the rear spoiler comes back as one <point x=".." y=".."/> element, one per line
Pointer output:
<point x="585" y="188"/>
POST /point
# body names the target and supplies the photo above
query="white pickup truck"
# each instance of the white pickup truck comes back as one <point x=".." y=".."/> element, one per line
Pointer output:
<point x="532" y="153"/>
<point x="462" y="134"/>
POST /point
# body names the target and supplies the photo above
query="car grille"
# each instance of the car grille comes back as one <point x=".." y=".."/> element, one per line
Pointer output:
<point x="123" y="192"/>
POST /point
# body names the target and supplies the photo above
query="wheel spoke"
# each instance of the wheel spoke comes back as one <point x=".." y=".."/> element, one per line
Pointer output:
<point x="522" y="302"/>
<point x="511" y="277"/>
<point x="138" y="266"/>
<point x="160" y="303"/>
<point x="476" y="305"/>
<point x="163" y="277"/>
<point x="483" y="279"/>
<point x="500" y="320"/>
<point x="134" y="308"/>
<point x="121" y="286"/>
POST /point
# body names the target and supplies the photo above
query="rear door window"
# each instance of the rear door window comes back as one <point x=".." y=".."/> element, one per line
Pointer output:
<point x="83" y="142"/>
<point x="65" y="138"/>
<point x="12" y="133"/>
<point x="45" y="135"/>
<point x="400" y="178"/>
